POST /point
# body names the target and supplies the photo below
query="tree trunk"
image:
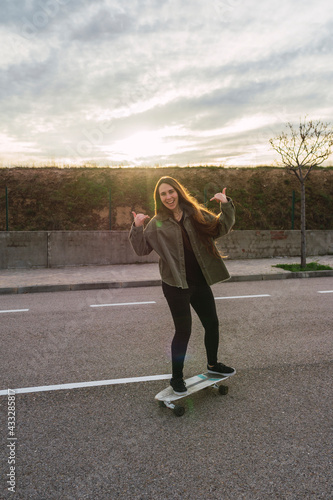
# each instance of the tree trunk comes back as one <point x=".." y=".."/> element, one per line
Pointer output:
<point x="303" y="226"/>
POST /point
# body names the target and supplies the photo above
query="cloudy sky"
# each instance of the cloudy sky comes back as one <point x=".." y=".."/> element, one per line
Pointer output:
<point x="147" y="82"/>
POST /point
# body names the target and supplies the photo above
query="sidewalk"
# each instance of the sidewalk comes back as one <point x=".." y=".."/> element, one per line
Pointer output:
<point x="138" y="275"/>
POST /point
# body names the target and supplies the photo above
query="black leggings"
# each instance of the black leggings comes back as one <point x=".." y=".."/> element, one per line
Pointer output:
<point x="202" y="300"/>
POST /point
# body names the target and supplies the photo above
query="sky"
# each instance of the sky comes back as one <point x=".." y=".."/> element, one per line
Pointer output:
<point x="159" y="82"/>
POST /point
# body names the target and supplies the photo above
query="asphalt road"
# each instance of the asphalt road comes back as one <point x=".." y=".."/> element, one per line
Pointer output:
<point x="270" y="437"/>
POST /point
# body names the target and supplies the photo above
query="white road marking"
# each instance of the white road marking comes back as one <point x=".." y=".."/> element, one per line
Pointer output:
<point x="124" y="304"/>
<point x="243" y="296"/>
<point x="326" y="291"/>
<point x="79" y="385"/>
<point x="14" y="310"/>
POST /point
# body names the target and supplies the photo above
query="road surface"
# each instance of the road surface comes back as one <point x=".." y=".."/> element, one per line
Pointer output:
<point x="270" y="437"/>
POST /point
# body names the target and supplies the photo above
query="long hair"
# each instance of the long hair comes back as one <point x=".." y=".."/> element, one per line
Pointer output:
<point x="207" y="228"/>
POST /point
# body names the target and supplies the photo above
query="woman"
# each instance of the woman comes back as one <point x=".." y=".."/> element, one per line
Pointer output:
<point x="182" y="232"/>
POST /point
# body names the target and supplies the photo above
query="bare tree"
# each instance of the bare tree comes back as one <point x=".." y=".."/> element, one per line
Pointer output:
<point x="301" y="150"/>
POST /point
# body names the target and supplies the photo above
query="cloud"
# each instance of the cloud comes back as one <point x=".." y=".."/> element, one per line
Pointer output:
<point x="109" y="70"/>
<point x="103" y="24"/>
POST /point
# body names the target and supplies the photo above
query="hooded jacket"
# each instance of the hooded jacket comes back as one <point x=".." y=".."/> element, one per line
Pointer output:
<point x="164" y="235"/>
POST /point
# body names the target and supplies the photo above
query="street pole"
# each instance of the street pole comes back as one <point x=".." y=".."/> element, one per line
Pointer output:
<point x="110" y="209"/>
<point x="7" y="209"/>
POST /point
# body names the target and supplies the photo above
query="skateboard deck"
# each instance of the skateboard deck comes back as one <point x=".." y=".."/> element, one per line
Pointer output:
<point x="193" y="384"/>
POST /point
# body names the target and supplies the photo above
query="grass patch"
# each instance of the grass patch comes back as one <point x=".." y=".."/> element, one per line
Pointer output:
<point x="312" y="266"/>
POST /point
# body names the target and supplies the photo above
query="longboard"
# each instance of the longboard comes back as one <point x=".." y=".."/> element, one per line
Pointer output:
<point x="193" y="384"/>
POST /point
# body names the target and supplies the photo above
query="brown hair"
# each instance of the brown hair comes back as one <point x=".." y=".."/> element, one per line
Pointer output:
<point x="207" y="228"/>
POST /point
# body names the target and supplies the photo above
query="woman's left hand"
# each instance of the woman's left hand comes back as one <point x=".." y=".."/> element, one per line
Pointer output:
<point x="220" y="197"/>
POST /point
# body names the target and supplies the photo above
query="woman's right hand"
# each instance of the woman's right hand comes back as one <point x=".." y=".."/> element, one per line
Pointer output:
<point x="139" y="219"/>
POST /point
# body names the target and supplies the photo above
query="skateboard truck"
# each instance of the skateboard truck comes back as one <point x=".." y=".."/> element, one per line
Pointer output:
<point x="177" y="409"/>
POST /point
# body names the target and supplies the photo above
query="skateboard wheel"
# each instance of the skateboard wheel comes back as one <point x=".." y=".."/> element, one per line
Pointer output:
<point x="179" y="410"/>
<point x="161" y="404"/>
<point x="223" y="390"/>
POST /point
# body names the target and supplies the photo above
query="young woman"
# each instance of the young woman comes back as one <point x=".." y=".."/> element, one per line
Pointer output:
<point x="182" y="232"/>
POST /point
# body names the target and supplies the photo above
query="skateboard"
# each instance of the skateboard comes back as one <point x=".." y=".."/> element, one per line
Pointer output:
<point x="193" y="384"/>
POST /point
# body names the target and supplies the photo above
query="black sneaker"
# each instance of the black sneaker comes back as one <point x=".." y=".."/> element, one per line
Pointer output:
<point x="178" y="386"/>
<point x="221" y="369"/>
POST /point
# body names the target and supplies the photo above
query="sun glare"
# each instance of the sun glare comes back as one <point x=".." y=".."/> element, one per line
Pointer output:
<point x="147" y="144"/>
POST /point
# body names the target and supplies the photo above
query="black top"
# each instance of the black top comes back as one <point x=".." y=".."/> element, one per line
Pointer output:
<point x="194" y="274"/>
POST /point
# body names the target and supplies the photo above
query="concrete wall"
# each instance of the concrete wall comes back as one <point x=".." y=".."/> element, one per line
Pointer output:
<point x="79" y="248"/>
<point x="265" y="244"/>
<point x="24" y="249"/>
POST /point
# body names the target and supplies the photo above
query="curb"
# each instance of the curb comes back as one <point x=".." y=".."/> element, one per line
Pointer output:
<point x="77" y="287"/>
<point x="280" y="276"/>
<point x="136" y="284"/>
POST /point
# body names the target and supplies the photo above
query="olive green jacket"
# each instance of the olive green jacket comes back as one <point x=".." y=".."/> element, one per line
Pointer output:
<point x="164" y="235"/>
